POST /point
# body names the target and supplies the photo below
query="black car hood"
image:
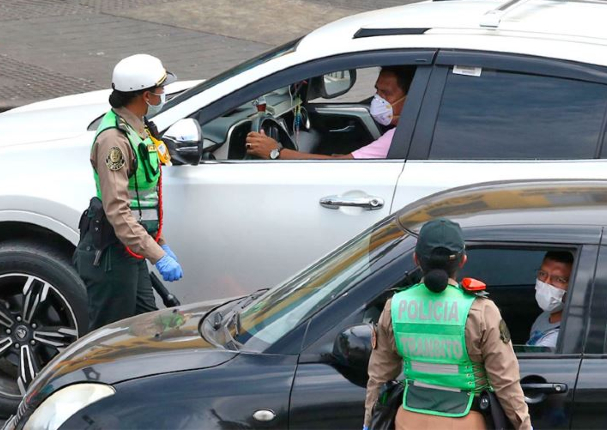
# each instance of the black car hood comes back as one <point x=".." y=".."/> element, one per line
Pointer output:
<point x="153" y="343"/>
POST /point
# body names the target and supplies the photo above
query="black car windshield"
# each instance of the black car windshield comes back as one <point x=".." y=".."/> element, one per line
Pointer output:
<point x="266" y="319"/>
<point x="249" y="64"/>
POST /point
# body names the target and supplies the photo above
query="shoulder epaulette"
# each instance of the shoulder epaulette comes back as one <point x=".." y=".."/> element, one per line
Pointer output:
<point x="481" y="294"/>
<point x="121" y="124"/>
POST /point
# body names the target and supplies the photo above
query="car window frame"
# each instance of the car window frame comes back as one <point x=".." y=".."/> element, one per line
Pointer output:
<point x="421" y="143"/>
<point x="422" y="58"/>
<point x="598" y="311"/>
<point x="587" y="240"/>
<point x="522" y="246"/>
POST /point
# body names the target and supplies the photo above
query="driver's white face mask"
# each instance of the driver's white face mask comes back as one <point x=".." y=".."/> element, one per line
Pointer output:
<point x="548" y="297"/>
<point x="381" y="110"/>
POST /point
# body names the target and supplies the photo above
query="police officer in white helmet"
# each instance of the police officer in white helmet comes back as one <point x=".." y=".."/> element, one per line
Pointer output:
<point x="122" y="228"/>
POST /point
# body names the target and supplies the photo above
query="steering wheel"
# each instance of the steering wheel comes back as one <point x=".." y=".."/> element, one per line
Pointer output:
<point x="274" y="129"/>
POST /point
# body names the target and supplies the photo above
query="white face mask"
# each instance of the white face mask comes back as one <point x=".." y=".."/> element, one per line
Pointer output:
<point x="154" y="109"/>
<point x="548" y="297"/>
<point x="381" y="110"/>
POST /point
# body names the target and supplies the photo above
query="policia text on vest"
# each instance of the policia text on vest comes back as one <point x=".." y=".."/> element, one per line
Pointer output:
<point x="416" y="311"/>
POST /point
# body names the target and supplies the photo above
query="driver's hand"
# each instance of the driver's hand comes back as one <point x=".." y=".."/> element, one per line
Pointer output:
<point x="260" y="145"/>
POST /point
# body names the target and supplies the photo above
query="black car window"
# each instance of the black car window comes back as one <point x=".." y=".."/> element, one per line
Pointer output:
<point x="506" y="116"/>
<point x="503" y="267"/>
<point x="510" y="275"/>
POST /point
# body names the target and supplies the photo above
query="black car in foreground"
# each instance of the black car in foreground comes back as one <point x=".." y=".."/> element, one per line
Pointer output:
<point x="295" y="356"/>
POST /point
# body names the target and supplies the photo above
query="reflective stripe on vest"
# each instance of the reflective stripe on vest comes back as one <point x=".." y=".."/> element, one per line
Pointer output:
<point x="146" y="198"/>
<point x="143" y="193"/>
<point x="430" y="334"/>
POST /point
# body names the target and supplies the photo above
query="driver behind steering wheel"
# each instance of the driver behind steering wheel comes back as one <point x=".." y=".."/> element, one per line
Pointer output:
<point x="392" y="86"/>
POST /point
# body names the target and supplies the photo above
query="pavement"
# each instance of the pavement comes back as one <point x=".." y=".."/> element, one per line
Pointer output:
<point x="51" y="48"/>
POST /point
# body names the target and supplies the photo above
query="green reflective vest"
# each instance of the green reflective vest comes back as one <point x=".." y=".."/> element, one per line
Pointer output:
<point x="143" y="184"/>
<point x="430" y="334"/>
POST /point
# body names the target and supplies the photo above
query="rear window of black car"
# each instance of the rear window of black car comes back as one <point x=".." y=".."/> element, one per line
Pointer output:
<point x="509" y="116"/>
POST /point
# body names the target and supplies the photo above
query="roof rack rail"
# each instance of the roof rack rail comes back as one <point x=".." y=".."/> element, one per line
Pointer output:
<point x="493" y="18"/>
<point x="370" y="32"/>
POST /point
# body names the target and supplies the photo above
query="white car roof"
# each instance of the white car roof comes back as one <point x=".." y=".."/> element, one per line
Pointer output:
<point x="563" y="30"/>
<point x="571" y="30"/>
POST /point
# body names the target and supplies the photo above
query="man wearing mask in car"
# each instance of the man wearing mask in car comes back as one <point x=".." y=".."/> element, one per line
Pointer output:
<point x="122" y="228"/>
<point x="392" y="86"/>
<point x="450" y="342"/>
<point x="550" y="290"/>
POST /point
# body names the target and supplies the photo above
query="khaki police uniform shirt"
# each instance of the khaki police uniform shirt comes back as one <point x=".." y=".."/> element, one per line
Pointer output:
<point x="484" y="344"/>
<point x="114" y="187"/>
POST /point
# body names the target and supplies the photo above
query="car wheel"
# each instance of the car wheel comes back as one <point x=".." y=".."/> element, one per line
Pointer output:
<point x="43" y="309"/>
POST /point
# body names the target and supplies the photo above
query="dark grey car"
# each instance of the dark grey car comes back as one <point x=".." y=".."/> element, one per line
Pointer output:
<point x="295" y="356"/>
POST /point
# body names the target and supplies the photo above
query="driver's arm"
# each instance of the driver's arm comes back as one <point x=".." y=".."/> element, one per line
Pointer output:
<point x="260" y="145"/>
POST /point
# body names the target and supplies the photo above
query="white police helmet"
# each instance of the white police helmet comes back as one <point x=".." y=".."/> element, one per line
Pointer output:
<point x="139" y="72"/>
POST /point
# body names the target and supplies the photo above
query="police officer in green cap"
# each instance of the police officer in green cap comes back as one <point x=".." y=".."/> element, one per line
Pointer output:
<point x="449" y="341"/>
<point x="122" y="228"/>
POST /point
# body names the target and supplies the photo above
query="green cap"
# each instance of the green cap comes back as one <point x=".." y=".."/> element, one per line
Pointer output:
<point x="440" y="233"/>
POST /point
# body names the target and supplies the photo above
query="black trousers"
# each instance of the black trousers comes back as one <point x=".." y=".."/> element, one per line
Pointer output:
<point x="118" y="287"/>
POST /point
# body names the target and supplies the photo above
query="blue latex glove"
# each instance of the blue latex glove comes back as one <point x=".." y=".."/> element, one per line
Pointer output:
<point x="169" y="252"/>
<point x="365" y="428"/>
<point x="169" y="268"/>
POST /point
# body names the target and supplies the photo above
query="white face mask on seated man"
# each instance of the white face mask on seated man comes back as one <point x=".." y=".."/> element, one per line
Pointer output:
<point x="548" y="297"/>
<point x="381" y="110"/>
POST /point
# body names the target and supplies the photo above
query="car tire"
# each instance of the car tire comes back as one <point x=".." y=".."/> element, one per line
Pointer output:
<point x="43" y="308"/>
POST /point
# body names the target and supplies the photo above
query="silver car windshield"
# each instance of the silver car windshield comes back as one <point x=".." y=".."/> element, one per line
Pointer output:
<point x="283" y="308"/>
<point x="249" y="64"/>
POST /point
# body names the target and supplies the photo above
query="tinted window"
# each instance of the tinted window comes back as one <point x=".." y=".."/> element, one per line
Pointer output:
<point x="503" y="267"/>
<point x="510" y="276"/>
<point x="500" y="115"/>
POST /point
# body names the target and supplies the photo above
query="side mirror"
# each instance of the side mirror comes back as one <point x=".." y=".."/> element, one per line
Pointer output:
<point x="352" y="347"/>
<point x="185" y="142"/>
<point x="332" y="84"/>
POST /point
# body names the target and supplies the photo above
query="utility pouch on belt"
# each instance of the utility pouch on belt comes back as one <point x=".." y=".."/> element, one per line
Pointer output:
<point x="493" y="412"/>
<point x="389" y="400"/>
<point x="93" y="220"/>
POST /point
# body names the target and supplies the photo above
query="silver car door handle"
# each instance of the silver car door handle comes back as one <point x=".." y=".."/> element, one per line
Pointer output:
<point x="368" y="203"/>
<point x="343" y="130"/>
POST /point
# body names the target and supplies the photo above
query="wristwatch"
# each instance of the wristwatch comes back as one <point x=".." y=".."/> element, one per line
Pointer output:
<point x="275" y="153"/>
